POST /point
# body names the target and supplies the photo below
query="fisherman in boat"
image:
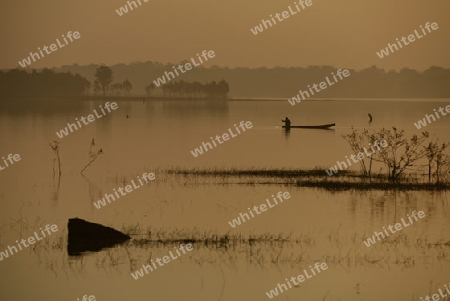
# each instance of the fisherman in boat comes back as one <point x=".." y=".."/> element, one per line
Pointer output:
<point x="287" y="122"/>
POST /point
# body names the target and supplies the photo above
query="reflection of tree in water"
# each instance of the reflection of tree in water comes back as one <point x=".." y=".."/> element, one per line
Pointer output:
<point x="268" y="251"/>
<point x="47" y="108"/>
<point x="93" y="155"/>
<point x="56" y="163"/>
<point x="195" y="108"/>
<point x="182" y="89"/>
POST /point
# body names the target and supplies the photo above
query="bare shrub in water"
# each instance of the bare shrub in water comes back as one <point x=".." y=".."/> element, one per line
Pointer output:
<point x="55" y="147"/>
<point x="93" y="155"/>
<point x="437" y="159"/>
<point x="357" y="143"/>
<point x="401" y="153"/>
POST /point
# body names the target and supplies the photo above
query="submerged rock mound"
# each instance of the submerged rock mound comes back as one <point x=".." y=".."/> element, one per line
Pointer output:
<point x="90" y="237"/>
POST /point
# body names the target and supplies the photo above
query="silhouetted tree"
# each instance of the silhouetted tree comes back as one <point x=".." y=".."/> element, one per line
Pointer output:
<point x="127" y="86"/>
<point x="150" y="89"/>
<point x="436" y="158"/>
<point x="104" y="77"/>
<point x="116" y="89"/>
<point x="97" y="87"/>
<point x="223" y="88"/>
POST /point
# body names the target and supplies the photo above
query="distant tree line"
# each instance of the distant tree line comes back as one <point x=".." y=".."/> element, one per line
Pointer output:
<point x="278" y="82"/>
<point x="184" y="89"/>
<point x="46" y="83"/>
<point x="259" y="82"/>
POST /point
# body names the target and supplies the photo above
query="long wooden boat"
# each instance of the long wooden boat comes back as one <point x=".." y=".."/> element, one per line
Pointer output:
<point x="322" y="127"/>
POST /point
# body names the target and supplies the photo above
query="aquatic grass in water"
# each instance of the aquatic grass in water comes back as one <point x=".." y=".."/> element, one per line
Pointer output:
<point x="402" y="249"/>
<point x="316" y="177"/>
<point x="263" y="250"/>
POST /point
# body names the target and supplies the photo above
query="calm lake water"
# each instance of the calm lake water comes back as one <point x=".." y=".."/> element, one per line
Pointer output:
<point x="321" y="225"/>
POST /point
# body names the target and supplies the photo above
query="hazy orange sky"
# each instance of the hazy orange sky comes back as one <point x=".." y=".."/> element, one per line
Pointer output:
<point x="343" y="33"/>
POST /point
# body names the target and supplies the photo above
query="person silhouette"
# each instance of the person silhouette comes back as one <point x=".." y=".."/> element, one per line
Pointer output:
<point x="287" y="122"/>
